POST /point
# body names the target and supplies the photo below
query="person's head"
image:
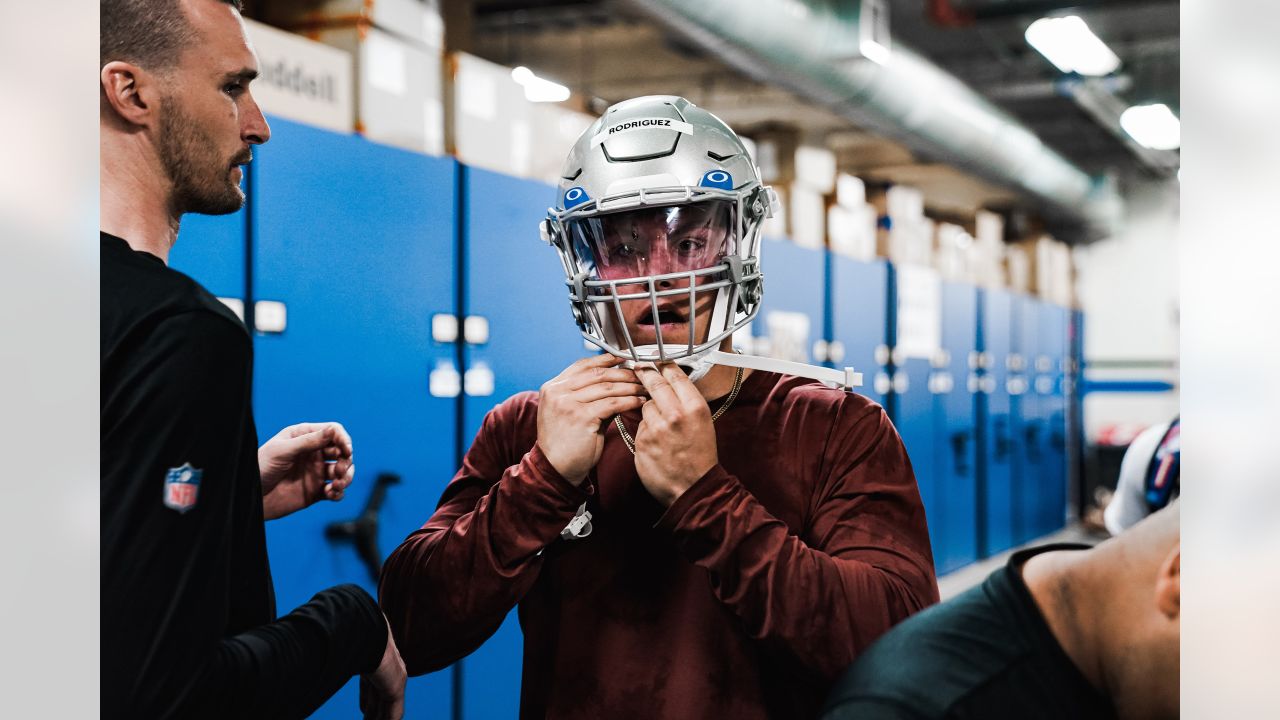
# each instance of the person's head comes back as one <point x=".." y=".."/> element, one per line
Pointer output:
<point x="658" y="225"/>
<point x="1117" y="609"/>
<point x="174" y="89"/>
<point x="1146" y="600"/>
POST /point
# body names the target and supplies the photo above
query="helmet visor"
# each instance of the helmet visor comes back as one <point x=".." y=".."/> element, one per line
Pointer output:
<point x="652" y="241"/>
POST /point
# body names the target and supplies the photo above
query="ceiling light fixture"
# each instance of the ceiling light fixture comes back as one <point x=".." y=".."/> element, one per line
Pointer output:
<point x="1153" y="126"/>
<point x="538" y="89"/>
<point x="1069" y="44"/>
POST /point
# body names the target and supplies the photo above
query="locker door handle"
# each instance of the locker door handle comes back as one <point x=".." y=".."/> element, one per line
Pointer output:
<point x="1004" y="444"/>
<point x="960" y="459"/>
<point x="1058" y="441"/>
<point x="363" y="530"/>
<point x="1030" y="435"/>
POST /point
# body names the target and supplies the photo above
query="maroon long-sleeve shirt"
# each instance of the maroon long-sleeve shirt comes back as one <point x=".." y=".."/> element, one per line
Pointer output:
<point x="744" y="599"/>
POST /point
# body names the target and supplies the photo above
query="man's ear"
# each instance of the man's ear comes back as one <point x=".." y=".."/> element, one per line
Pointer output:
<point x="1168" y="584"/>
<point x="130" y="91"/>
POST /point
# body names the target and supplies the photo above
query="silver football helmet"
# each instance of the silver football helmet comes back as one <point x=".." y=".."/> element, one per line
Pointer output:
<point x="658" y="218"/>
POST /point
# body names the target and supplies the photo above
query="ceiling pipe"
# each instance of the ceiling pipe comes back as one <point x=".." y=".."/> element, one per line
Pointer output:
<point x="812" y="49"/>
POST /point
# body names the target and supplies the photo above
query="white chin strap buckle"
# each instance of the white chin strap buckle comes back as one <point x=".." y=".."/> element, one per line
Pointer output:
<point x="580" y="526"/>
<point x="845" y="379"/>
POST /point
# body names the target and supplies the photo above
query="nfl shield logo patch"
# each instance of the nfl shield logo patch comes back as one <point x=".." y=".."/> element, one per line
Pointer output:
<point x="182" y="487"/>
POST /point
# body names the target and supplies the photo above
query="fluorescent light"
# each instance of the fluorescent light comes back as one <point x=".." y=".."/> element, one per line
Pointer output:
<point x="537" y="89"/>
<point x="1068" y="43"/>
<point x="1153" y="126"/>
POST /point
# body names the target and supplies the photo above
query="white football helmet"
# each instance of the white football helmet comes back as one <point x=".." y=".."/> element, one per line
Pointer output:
<point x="660" y="202"/>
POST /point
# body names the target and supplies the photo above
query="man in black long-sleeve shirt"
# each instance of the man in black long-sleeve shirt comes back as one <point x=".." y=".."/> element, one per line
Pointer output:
<point x="1061" y="631"/>
<point x="189" y="624"/>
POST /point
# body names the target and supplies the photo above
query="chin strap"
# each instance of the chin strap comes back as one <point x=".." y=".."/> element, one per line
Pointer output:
<point x="845" y="379"/>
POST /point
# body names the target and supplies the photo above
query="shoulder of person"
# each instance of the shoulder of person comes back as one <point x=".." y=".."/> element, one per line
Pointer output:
<point x="518" y="409"/>
<point x="817" y="398"/>
<point x="141" y="292"/>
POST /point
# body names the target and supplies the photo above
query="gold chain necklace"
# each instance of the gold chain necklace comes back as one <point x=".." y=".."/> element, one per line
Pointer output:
<point x="733" y="394"/>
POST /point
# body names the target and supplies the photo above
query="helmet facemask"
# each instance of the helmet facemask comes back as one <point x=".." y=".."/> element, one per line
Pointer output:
<point x="662" y="282"/>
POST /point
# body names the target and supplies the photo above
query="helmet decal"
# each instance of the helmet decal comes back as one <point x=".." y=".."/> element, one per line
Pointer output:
<point x="717" y="179"/>
<point x="574" y="197"/>
<point x="642" y="124"/>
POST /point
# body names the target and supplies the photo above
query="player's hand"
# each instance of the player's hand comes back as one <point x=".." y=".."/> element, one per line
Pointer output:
<point x="382" y="691"/>
<point x="676" y="442"/>
<point x="573" y="406"/>
<point x="302" y="464"/>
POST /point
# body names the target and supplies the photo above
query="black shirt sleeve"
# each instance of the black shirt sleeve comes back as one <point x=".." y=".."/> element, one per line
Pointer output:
<point x="188" y="617"/>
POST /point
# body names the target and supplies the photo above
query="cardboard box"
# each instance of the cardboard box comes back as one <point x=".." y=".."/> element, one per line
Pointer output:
<point x="418" y="21"/>
<point x="776" y="156"/>
<point x="988" y="228"/>
<point x="989" y="250"/>
<point x="1018" y="268"/>
<point x="1048" y="268"/>
<point x="988" y="266"/>
<point x="907" y="242"/>
<point x="555" y="130"/>
<point x="816" y="168"/>
<point x="954" y="253"/>
<point x="491" y="121"/>
<point x="903" y="235"/>
<point x="851" y="192"/>
<point x="808" y="213"/>
<point x="399" y="98"/>
<point x="852" y="231"/>
<point x="302" y="80"/>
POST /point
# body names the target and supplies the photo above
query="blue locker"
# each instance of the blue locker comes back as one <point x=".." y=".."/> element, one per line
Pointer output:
<point x="211" y="249"/>
<point x="357" y="240"/>
<point x="859" y="321"/>
<point x="516" y="282"/>
<point x="794" y="282"/>
<point x="1028" y="428"/>
<point x="995" y="422"/>
<point x="954" y="524"/>
<point x="916" y="417"/>
<point x="1050" y="391"/>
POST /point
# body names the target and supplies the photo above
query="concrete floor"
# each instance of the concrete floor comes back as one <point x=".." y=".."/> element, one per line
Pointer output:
<point x="958" y="581"/>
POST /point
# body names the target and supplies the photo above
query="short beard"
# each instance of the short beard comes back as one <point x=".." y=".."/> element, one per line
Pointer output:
<point x="201" y="182"/>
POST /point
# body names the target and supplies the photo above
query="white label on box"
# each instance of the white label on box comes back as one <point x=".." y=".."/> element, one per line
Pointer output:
<point x="478" y="95"/>
<point x="385" y="64"/>
<point x="919" y="312"/>
<point x="302" y="80"/>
